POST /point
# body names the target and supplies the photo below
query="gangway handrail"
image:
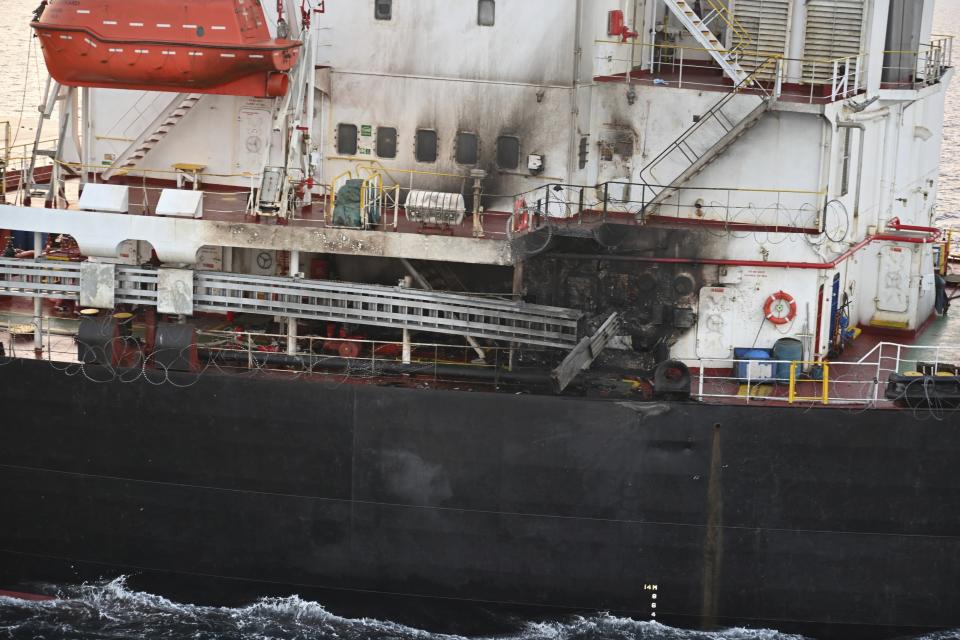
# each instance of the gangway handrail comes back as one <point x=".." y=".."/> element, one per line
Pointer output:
<point x="712" y="112"/>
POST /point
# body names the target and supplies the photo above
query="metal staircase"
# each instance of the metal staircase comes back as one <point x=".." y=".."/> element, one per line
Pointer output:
<point x="436" y="275"/>
<point x="695" y="25"/>
<point x="706" y="140"/>
<point x="170" y="117"/>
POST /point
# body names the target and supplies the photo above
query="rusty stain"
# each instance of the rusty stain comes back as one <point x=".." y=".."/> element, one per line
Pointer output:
<point x="713" y="543"/>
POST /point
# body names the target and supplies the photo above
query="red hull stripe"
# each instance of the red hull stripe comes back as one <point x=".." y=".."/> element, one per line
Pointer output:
<point x="24" y="596"/>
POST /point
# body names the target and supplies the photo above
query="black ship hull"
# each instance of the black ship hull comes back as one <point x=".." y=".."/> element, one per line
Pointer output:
<point x="832" y="522"/>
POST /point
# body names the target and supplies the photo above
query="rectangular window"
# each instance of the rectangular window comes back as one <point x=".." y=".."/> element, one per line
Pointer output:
<point x="383" y="9"/>
<point x="486" y="13"/>
<point x="584" y="152"/>
<point x="845" y="175"/>
<point x="386" y="142"/>
<point x="467" y="148"/>
<point x="347" y="139"/>
<point x="508" y="152"/>
<point x="426" y="145"/>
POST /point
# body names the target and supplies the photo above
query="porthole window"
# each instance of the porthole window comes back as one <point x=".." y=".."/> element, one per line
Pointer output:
<point x="486" y="13"/>
<point x="426" y="145"/>
<point x="386" y="142"/>
<point x="508" y="152"/>
<point x="467" y="148"/>
<point x="347" y="139"/>
<point x="383" y="9"/>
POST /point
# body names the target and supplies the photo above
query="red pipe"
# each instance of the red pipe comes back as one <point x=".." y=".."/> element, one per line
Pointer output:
<point x="896" y="225"/>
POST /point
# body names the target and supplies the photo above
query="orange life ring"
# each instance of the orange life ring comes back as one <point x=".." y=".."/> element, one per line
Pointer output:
<point x="521" y="218"/>
<point x="774" y="307"/>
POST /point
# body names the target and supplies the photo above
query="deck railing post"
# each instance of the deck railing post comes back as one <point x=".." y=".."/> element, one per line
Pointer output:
<point x="834" y="84"/>
<point x="680" y="77"/>
<point x="856" y="81"/>
<point x="813" y="79"/>
<point x="606" y="199"/>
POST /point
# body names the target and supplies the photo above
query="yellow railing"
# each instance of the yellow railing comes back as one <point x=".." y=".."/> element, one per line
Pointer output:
<point x="947" y="245"/>
<point x="334" y="187"/>
<point x="736" y="28"/>
<point x="371" y="197"/>
<point x="374" y="196"/>
<point x="924" y="65"/>
<point x="824" y="397"/>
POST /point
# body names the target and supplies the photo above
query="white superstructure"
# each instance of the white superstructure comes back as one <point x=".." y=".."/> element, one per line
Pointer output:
<point x="796" y="141"/>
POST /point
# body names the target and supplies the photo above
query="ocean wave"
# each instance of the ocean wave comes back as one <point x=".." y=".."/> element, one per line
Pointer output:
<point x="111" y="610"/>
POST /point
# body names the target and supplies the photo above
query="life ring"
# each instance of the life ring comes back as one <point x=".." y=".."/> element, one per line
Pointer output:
<point x="521" y="218"/>
<point x="775" y="305"/>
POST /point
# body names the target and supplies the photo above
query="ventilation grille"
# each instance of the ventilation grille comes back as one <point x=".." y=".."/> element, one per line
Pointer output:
<point x="834" y="30"/>
<point x="767" y="22"/>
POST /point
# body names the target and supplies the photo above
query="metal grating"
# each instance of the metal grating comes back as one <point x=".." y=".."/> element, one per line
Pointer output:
<point x="767" y="22"/>
<point x="375" y="305"/>
<point x="834" y="30"/>
<point x="387" y="307"/>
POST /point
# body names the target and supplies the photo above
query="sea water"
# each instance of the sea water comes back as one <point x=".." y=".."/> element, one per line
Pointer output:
<point x="109" y="610"/>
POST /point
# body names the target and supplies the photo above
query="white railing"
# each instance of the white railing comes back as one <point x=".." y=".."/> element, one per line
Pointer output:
<point x="915" y="69"/>
<point x="859" y="382"/>
<point x="845" y="78"/>
<point x="813" y="80"/>
<point x="833" y="383"/>
<point x="893" y="357"/>
<point x="779" y="210"/>
<point x="853" y="382"/>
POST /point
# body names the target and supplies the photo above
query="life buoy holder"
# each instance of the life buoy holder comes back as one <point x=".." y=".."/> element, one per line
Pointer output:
<point x="521" y="218"/>
<point x="780" y="308"/>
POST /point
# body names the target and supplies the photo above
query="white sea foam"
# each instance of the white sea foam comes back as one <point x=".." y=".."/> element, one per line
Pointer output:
<point x="112" y="610"/>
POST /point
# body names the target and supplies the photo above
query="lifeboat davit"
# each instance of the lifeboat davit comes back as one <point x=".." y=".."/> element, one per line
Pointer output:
<point x="195" y="46"/>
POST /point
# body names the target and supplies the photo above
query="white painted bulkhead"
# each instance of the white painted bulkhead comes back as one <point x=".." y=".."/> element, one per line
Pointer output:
<point x="433" y="66"/>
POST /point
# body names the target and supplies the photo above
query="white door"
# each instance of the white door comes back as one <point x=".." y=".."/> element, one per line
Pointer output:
<point x="254" y="122"/>
<point x="893" y="290"/>
<point x="715" y="323"/>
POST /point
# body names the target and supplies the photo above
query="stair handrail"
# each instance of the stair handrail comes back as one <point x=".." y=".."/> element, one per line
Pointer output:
<point x="711" y="113"/>
<point x="736" y="27"/>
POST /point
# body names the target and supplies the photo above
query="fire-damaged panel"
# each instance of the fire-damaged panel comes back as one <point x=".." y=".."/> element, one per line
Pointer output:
<point x="656" y="302"/>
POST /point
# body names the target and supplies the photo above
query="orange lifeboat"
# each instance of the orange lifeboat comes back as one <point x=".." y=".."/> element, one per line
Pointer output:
<point x="195" y="46"/>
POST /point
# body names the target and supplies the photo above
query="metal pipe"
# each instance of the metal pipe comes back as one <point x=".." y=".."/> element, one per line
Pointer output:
<point x="863" y="137"/>
<point x="896" y="225"/>
<point x="407" y="353"/>
<point x="292" y="320"/>
<point x="86" y="138"/>
<point x="6" y="160"/>
<point x="311" y="73"/>
<point x="572" y="148"/>
<point x="37" y="302"/>
<point x="228" y="259"/>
